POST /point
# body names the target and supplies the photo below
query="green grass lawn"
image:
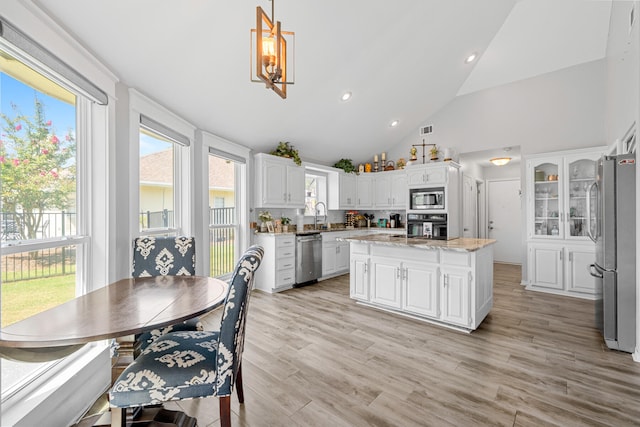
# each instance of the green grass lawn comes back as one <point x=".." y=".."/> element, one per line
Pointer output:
<point x="24" y="298"/>
<point x="27" y="297"/>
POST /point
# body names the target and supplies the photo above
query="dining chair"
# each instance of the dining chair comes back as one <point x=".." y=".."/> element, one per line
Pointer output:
<point x="164" y="256"/>
<point x="193" y="364"/>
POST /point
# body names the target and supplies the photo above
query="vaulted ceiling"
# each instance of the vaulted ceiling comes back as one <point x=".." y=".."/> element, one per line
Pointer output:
<point x="402" y="60"/>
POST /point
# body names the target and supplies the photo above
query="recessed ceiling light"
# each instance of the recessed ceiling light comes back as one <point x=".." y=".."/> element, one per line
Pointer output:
<point x="346" y="96"/>
<point x="471" y="58"/>
<point x="394" y="123"/>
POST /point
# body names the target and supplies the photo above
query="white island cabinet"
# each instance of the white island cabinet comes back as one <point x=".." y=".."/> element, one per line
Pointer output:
<point x="449" y="283"/>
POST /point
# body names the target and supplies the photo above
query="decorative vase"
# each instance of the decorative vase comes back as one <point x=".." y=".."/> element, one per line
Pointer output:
<point x="263" y="227"/>
<point x="285" y="228"/>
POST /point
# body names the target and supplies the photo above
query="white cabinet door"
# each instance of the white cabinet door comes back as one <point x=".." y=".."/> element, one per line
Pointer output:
<point x="399" y="190"/>
<point x="295" y="186"/>
<point x="342" y="256"/>
<point x="436" y="175"/>
<point x="365" y="191"/>
<point x="420" y="289"/>
<point x="359" y="277"/>
<point x="456" y="290"/>
<point x="382" y="190"/>
<point x="386" y="282"/>
<point x="347" y="190"/>
<point x="578" y="261"/>
<point x="546" y="266"/>
<point x="328" y="258"/>
<point x="274" y="184"/>
<point x="415" y="176"/>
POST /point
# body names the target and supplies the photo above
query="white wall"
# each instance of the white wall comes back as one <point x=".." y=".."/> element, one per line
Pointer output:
<point x="555" y="111"/>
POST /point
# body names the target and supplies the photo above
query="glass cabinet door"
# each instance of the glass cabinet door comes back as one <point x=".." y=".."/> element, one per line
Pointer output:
<point x="581" y="173"/>
<point x="547" y="200"/>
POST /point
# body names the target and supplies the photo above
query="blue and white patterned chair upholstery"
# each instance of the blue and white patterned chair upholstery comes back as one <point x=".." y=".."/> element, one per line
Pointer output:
<point x="164" y="256"/>
<point x="194" y="364"/>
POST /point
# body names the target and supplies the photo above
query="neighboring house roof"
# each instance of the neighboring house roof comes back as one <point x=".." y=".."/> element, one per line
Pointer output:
<point x="156" y="169"/>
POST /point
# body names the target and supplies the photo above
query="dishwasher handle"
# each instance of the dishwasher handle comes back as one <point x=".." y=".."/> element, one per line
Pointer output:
<point x="303" y="239"/>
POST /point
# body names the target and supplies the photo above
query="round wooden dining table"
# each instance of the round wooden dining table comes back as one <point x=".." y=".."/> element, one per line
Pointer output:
<point x="123" y="308"/>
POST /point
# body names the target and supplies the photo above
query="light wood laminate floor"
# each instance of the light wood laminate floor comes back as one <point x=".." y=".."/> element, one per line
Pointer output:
<point x="313" y="357"/>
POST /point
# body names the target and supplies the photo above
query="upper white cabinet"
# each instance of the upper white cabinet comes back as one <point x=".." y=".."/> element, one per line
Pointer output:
<point x="348" y="190"/>
<point x="429" y="173"/>
<point x="390" y="189"/>
<point x="364" y="185"/>
<point x="556" y="189"/>
<point x="279" y="182"/>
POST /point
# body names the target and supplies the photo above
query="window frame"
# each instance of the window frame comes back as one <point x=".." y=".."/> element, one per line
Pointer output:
<point x="40" y="398"/>
<point x="140" y="105"/>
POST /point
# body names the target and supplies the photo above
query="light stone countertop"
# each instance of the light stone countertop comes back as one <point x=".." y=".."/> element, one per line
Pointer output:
<point x="463" y="244"/>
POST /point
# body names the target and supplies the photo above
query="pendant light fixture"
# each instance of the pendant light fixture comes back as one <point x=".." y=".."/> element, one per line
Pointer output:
<point x="269" y="49"/>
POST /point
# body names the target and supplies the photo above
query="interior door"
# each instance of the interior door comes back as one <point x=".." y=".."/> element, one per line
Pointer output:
<point x="504" y="220"/>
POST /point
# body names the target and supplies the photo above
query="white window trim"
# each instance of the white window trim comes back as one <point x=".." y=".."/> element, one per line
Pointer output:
<point x="203" y="142"/>
<point x="183" y="174"/>
<point x="54" y="400"/>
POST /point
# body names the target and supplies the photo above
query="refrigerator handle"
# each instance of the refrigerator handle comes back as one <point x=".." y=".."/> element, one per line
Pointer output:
<point x="588" y="207"/>
<point x="598" y="271"/>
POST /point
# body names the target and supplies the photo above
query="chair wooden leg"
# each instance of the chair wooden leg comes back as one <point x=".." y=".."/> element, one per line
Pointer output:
<point x="239" y="388"/>
<point x="225" y="411"/>
<point x="118" y="417"/>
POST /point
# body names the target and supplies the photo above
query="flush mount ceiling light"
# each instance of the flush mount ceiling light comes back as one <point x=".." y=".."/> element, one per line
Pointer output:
<point x="500" y="161"/>
<point x="471" y="58"/>
<point x="272" y="58"/>
<point x="346" y="96"/>
<point x="394" y="123"/>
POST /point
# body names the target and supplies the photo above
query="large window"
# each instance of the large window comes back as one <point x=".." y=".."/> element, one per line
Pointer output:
<point x="160" y="187"/>
<point x="223" y="215"/>
<point x="41" y="216"/>
<point x="156" y="181"/>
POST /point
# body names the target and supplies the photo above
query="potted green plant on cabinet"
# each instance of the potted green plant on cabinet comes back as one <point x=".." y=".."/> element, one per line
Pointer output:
<point x="285" y="221"/>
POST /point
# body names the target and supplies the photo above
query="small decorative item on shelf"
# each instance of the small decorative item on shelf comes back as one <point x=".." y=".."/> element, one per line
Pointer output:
<point x="346" y="165"/>
<point x="284" y="149"/>
<point x="285" y="223"/>
<point x="390" y="166"/>
<point x="360" y="168"/>
<point x="539" y="175"/>
<point x="265" y="217"/>
<point x="367" y="167"/>
<point x="413" y="151"/>
<point x="369" y="218"/>
<point x="359" y="221"/>
<point x="433" y="151"/>
<point x="400" y="164"/>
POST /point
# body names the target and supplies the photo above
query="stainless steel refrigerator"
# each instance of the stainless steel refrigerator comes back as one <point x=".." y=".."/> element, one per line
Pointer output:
<point x="614" y="231"/>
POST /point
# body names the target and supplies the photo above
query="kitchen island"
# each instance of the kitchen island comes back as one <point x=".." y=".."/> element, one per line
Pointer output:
<point x="445" y="282"/>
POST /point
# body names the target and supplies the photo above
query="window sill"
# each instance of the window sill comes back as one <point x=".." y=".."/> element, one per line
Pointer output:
<point x="53" y="399"/>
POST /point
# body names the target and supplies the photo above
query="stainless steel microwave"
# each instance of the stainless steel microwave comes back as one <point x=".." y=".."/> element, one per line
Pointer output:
<point x="426" y="199"/>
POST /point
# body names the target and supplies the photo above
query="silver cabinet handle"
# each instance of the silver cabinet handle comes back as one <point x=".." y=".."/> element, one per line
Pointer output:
<point x="560" y="255"/>
<point x="365" y="267"/>
<point x="570" y="256"/>
<point x="446" y="279"/>
<point x="285" y="197"/>
<point x="397" y="272"/>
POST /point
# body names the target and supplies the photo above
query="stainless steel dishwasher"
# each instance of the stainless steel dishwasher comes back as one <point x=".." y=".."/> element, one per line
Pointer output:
<point x="308" y="258"/>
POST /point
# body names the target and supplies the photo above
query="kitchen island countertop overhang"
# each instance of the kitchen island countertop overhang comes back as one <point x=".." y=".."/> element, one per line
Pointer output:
<point x="462" y="244"/>
<point x="444" y="282"/>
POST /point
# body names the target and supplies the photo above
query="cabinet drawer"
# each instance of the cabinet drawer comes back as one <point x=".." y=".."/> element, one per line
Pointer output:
<point x="285" y="277"/>
<point x="462" y="259"/>
<point x="286" y="242"/>
<point x="285" y="263"/>
<point x="286" y="252"/>
<point x="423" y="255"/>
